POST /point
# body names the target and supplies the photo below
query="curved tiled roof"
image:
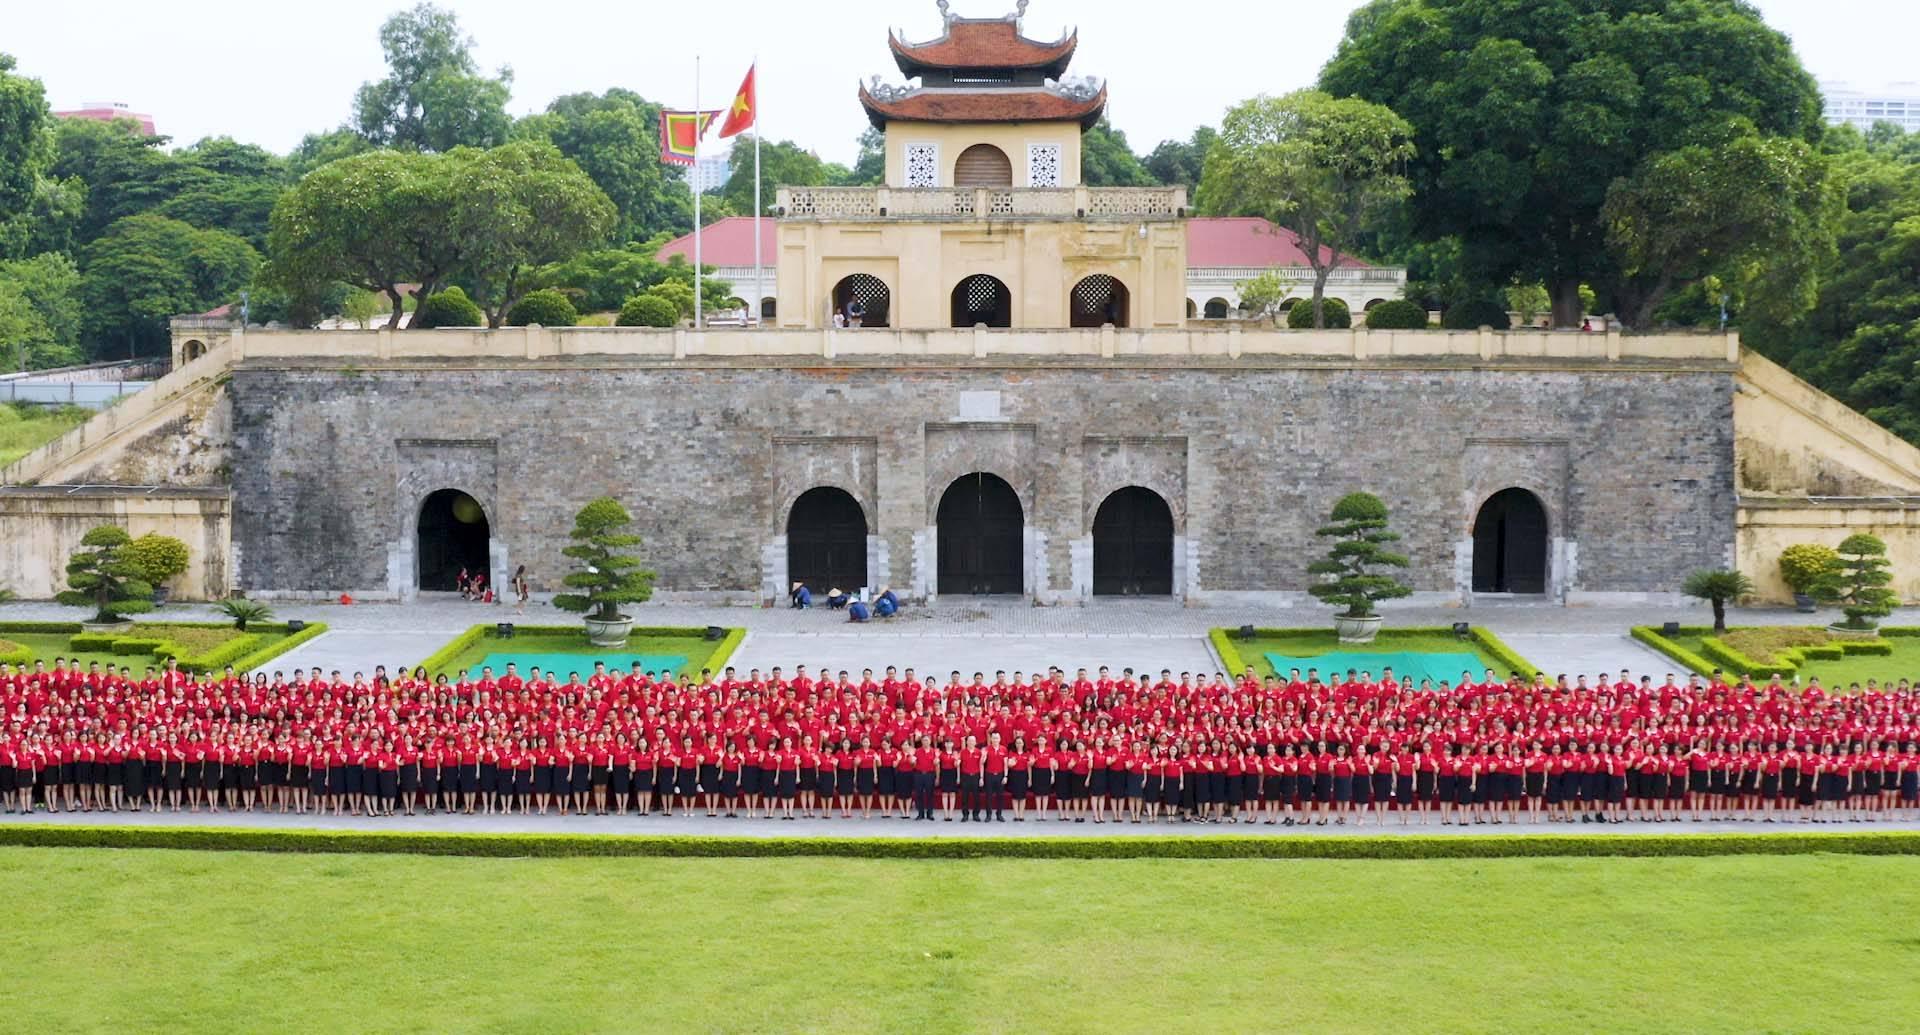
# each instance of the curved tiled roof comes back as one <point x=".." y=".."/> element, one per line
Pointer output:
<point x="990" y="104"/>
<point x="983" y="43"/>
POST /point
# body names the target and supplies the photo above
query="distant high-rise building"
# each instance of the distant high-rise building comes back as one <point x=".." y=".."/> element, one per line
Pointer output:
<point x="710" y="174"/>
<point x="107" y="111"/>
<point x="1898" y="103"/>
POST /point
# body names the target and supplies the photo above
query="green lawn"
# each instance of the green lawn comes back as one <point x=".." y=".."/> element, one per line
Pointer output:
<point x="1304" y="643"/>
<point x="24" y="429"/>
<point x="699" y="652"/>
<point x="141" y="940"/>
<point x="48" y="646"/>
<point x="1903" y="663"/>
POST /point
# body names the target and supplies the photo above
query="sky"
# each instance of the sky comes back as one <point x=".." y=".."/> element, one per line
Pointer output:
<point x="269" y="71"/>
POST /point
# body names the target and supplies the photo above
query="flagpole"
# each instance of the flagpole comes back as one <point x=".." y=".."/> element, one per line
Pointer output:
<point x="694" y="180"/>
<point x="759" y="288"/>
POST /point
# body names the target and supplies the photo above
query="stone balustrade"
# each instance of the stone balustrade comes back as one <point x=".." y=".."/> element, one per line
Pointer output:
<point x="835" y="204"/>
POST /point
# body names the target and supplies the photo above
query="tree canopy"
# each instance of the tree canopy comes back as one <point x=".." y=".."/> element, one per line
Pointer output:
<point x="615" y="138"/>
<point x="518" y="207"/>
<point x="147" y="269"/>
<point x="1107" y="161"/>
<point x="1527" y="112"/>
<point x="434" y="97"/>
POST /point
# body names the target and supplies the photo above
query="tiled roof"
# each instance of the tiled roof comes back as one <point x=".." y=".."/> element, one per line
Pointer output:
<point x="982" y="43"/>
<point x="1247" y="241"/>
<point x="987" y="104"/>
<point x="725" y="242"/>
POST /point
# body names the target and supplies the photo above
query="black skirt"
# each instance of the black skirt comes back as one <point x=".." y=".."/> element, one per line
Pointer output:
<point x="523" y="782"/>
<point x="389" y="783"/>
<point x="622" y="780"/>
<point x="729" y="783"/>
<point x="949" y="781"/>
<point x="598" y="775"/>
<point x="1019" y="781"/>
<point x="1042" y="781"/>
<point x="789" y="782"/>
<point x="1403" y="788"/>
<point x="844" y="782"/>
<point x="863" y="780"/>
<point x="1382" y="786"/>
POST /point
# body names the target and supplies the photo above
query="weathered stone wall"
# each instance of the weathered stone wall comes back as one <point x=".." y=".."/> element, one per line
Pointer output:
<point x="41" y="527"/>
<point x="330" y="466"/>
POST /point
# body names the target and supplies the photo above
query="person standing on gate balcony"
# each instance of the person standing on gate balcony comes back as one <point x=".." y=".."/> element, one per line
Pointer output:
<point x="856" y="312"/>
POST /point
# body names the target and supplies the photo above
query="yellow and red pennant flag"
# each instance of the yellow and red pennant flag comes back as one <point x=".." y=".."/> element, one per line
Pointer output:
<point x="740" y="116"/>
<point x="680" y="132"/>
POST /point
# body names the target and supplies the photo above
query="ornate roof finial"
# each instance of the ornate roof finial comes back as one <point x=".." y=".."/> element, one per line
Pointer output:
<point x="945" y="15"/>
<point x="1020" y="9"/>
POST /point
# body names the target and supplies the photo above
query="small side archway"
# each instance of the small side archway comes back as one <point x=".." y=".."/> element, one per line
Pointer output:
<point x="1510" y="543"/>
<point x="827" y="540"/>
<point x="192" y="350"/>
<point x="874" y="298"/>
<point x="1098" y="300"/>
<point x="1216" y="308"/>
<point x="982" y="299"/>
<point x="769" y="309"/>
<point x="1133" y="544"/>
<point x="453" y="536"/>
<point x="1192" y="310"/>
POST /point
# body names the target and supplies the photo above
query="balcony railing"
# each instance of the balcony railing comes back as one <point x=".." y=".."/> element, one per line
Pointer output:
<point x="1300" y="274"/>
<point x="1129" y="204"/>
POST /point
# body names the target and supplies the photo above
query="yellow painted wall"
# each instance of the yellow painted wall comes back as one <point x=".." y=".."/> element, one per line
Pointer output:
<point x="1010" y="137"/>
<point x="39" y="531"/>
<point x="1765" y="529"/>
<point x="1040" y="261"/>
<point x="1793" y="440"/>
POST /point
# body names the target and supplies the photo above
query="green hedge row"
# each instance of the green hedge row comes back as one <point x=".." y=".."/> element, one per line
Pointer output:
<point x="1502" y="653"/>
<point x="1230" y="658"/>
<point x="12" y="653"/>
<point x="219" y="657"/>
<point x="1716" y="654"/>
<point x="275" y="648"/>
<point x="437" y="662"/>
<point x="39" y="627"/>
<point x="728" y="644"/>
<point x="1384" y="846"/>
<point x="1688" y="660"/>
<point x="244" y="652"/>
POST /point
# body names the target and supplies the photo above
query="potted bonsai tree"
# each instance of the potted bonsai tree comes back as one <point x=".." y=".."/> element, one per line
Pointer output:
<point x="1349" y="574"/>
<point x="1801" y="566"/>
<point x="608" y="576"/>
<point x="158" y="558"/>
<point x="1859" y="585"/>
<point x="1716" y="588"/>
<point x="100" y="575"/>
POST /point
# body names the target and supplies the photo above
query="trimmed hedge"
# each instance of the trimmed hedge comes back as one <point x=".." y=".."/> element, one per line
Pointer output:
<point x="1715" y="654"/>
<point x="1226" y="846"/>
<point x="1397" y="314"/>
<point x="1473" y="315"/>
<point x="648" y="311"/>
<point x="449" y="308"/>
<point x="276" y="648"/>
<point x="39" y="627"/>
<point x="436" y="663"/>
<point x="244" y="652"/>
<point x="1230" y="656"/>
<point x="1688" y="660"/>
<point x="1332" y="310"/>
<point x="546" y="307"/>
<point x="219" y="657"/>
<point x="12" y="653"/>
<point x="736" y="635"/>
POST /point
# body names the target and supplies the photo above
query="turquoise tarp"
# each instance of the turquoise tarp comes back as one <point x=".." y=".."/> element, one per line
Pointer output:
<point x="558" y="665"/>
<point x="1333" y="666"/>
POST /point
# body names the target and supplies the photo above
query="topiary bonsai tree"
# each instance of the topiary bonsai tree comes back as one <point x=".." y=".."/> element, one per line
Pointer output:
<point x="102" y="577"/>
<point x="1349" y="573"/>
<point x="1802" y="565"/>
<point x="1397" y="314"/>
<point x="1858" y="583"/>
<point x="449" y="308"/>
<point x="548" y="307"/>
<point x="157" y="558"/>
<point x="648" y="311"/>
<point x="1300" y="316"/>
<point x="1716" y="587"/>
<point x="608" y="576"/>
<point x="1474" y="314"/>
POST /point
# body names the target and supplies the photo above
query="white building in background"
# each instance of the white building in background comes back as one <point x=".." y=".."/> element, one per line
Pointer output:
<point x="1898" y="103"/>
<point x="710" y="174"/>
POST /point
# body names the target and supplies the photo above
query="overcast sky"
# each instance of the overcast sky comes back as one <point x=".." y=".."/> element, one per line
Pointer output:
<point x="269" y="71"/>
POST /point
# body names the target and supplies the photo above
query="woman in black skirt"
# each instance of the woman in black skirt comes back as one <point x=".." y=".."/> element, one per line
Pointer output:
<point x="1094" y="801"/>
<point x="846" y="772"/>
<point x="600" y="773"/>
<point x="686" y="786"/>
<point x="1019" y="776"/>
<point x="620" y="779"/>
<point x="173" y="766"/>
<point x="709" y="773"/>
<point x="809" y="776"/>
<point x="1380" y="775"/>
<point x="866" y="776"/>
<point x="1288" y="778"/>
<point x="1044" y="765"/>
<point x="545" y="765"/>
<point x="731" y="765"/>
<point x="386" y="778"/>
<point x="1909" y="769"/>
<point x="949" y="781"/>
<point x="1135" y="765"/>
<point x="410" y="771"/>
<point x="755" y="779"/>
<point x="787" y="776"/>
<point x="1342" y="782"/>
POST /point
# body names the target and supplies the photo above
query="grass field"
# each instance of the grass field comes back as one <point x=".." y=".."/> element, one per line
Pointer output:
<point x="1298" y="645"/>
<point x="1904" y="662"/>
<point x="48" y="646"/>
<point x="698" y="651"/>
<point x="103" y="940"/>
<point x="24" y="429"/>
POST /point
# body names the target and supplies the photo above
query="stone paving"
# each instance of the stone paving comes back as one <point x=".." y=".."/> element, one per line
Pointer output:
<point x="973" y="634"/>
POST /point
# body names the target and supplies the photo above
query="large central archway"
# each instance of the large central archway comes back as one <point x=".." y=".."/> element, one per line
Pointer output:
<point x="982" y="298"/>
<point x="1510" y="544"/>
<point x="453" y="536"/>
<point x="980" y="532"/>
<point x="1133" y="544"/>
<point x="827" y="541"/>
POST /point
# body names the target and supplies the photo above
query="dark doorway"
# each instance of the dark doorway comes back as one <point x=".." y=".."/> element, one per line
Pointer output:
<point x="1510" y="544"/>
<point x="1098" y="300"/>
<point x="827" y="541"/>
<point x="453" y="536"/>
<point x="1133" y="545"/>
<point x="980" y="525"/>
<point x="982" y="299"/>
<point x="872" y="294"/>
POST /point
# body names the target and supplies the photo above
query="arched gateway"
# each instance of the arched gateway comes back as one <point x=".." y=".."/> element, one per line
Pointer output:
<point x="980" y="533"/>
<point x="453" y="535"/>
<point x="1510" y="544"/>
<point x="827" y="541"/>
<point x="1133" y="544"/>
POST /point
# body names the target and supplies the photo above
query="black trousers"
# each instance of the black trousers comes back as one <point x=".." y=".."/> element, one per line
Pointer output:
<point x="923" y="792"/>
<point x="996" y="786"/>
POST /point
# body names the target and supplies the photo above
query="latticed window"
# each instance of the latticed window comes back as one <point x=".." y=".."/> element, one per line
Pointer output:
<point x="1097" y="300"/>
<point x="870" y="292"/>
<point x="1043" y="165"/>
<point x="923" y="165"/>
<point x="982" y="299"/>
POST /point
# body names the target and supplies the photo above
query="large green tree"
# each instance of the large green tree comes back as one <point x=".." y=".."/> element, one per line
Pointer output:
<point x="147" y="269"/>
<point x="374" y="221"/>
<point x="40" y="311"/>
<point x="1526" y="112"/>
<point x="1180" y="162"/>
<point x="1107" y="161"/>
<point x="615" y="138"/>
<point x="26" y="155"/>
<point x="434" y="97"/>
<point x="783" y="163"/>
<point x="870" y="167"/>
<point x="517" y="208"/>
<point x="1314" y="164"/>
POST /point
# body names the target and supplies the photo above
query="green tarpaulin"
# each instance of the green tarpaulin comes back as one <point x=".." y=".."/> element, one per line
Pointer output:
<point x="1333" y="667"/>
<point x="558" y="665"/>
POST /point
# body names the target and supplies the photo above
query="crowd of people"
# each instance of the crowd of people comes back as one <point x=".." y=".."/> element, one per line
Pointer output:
<point x="1099" y="747"/>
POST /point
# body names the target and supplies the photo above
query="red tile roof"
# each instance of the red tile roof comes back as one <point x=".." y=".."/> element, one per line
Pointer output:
<point x="108" y="113"/>
<point x="1030" y="104"/>
<point x="982" y="43"/>
<point x="1246" y="241"/>
<point x="726" y="242"/>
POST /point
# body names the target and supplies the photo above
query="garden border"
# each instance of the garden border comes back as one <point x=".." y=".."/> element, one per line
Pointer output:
<point x="1383" y="846"/>
<point x="1715" y="654"/>
<point x="243" y="652"/>
<point x="436" y="663"/>
<point x="1223" y="645"/>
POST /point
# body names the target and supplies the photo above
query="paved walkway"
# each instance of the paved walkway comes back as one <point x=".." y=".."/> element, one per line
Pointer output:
<point x="699" y="825"/>
<point x="973" y="634"/>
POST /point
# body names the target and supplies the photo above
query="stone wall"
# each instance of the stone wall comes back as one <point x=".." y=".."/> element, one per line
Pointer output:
<point x="1634" y="463"/>
<point x="41" y="527"/>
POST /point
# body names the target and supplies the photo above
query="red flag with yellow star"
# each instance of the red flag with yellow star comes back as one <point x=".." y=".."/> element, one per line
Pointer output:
<point x="740" y="116"/>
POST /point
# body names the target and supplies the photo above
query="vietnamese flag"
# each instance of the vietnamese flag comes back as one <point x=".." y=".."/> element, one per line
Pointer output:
<point x="740" y="116"/>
